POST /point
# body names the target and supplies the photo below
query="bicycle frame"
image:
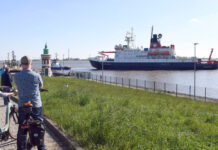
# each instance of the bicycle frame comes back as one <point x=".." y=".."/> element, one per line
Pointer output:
<point x="4" y="131"/>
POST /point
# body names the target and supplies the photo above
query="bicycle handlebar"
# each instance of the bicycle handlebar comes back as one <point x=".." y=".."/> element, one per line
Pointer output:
<point x="13" y="90"/>
<point x="43" y="90"/>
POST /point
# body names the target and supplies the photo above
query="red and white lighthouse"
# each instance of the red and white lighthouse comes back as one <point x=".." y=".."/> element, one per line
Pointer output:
<point x="46" y="62"/>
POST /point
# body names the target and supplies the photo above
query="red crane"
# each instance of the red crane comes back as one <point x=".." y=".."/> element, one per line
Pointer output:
<point x="102" y="53"/>
<point x="209" y="59"/>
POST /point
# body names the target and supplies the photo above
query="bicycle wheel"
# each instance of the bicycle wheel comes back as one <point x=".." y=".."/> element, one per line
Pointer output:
<point x="13" y="125"/>
<point x="28" y="145"/>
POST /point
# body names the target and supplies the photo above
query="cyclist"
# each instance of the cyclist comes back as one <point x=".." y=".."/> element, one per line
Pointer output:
<point x="7" y="78"/>
<point x="28" y="84"/>
<point x="6" y="83"/>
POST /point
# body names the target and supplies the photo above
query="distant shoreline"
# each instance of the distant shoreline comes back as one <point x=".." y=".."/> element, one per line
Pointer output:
<point x="59" y="60"/>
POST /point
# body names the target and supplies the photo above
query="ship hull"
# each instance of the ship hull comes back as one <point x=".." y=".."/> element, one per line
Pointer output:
<point x="111" y="65"/>
<point x="60" y="68"/>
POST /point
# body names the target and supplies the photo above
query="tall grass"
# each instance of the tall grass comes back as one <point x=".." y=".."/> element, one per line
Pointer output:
<point x="102" y="116"/>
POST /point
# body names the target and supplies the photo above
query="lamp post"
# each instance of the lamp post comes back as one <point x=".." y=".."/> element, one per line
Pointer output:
<point x="195" y="68"/>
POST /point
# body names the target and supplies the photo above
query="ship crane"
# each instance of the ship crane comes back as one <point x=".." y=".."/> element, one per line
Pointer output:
<point x="209" y="59"/>
<point x="104" y="53"/>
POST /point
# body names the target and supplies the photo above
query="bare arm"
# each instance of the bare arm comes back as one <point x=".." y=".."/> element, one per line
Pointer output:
<point x="3" y="94"/>
<point x="40" y="82"/>
<point x="6" y="94"/>
<point x="10" y="94"/>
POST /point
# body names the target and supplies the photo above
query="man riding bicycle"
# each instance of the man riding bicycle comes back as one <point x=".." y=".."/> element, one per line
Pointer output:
<point x="28" y="85"/>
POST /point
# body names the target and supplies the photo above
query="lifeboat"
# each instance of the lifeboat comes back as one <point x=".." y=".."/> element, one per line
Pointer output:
<point x="153" y="53"/>
<point x="165" y="53"/>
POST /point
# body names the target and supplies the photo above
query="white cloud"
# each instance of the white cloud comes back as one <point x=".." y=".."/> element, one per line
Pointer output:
<point x="194" y="20"/>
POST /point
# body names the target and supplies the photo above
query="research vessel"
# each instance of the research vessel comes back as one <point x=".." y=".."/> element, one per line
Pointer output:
<point x="156" y="57"/>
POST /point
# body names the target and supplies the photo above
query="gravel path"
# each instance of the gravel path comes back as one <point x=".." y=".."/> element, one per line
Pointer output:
<point x="51" y="142"/>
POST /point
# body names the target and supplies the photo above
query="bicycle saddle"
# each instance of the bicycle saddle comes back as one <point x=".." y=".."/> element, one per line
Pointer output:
<point x="28" y="104"/>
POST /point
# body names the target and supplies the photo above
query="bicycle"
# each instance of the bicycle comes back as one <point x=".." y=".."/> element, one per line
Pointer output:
<point x="33" y="137"/>
<point x="11" y="120"/>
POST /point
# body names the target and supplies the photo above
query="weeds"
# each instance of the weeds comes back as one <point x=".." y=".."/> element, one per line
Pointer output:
<point x="102" y="116"/>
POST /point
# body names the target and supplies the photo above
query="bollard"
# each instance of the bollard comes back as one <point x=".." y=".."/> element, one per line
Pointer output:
<point x="145" y="84"/>
<point x="122" y="81"/>
<point x="116" y="80"/>
<point x="110" y="79"/>
<point x="129" y="83"/>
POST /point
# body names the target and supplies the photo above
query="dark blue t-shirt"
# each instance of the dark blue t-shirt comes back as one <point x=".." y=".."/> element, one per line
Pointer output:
<point x="7" y="80"/>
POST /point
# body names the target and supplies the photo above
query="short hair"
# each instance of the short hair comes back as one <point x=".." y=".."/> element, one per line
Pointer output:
<point x="26" y="60"/>
<point x="7" y="69"/>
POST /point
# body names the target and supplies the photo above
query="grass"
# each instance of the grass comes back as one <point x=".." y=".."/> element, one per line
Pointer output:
<point x="102" y="116"/>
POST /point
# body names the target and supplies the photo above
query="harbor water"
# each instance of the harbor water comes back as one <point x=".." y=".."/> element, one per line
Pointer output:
<point x="204" y="78"/>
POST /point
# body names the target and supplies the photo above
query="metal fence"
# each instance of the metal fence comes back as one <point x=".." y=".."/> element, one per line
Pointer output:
<point x="202" y="93"/>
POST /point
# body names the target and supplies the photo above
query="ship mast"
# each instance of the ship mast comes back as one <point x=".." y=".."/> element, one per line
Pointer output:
<point x="151" y="32"/>
<point x="68" y="54"/>
<point x="129" y="38"/>
<point x="56" y="56"/>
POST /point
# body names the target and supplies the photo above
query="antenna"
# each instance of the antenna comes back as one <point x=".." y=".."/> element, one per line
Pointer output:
<point x="132" y="35"/>
<point x="129" y="38"/>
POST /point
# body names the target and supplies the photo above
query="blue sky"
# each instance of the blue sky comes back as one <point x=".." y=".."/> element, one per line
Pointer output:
<point x="88" y="26"/>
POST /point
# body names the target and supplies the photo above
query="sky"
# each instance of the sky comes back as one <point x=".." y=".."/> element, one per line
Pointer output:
<point x="88" y="26"/>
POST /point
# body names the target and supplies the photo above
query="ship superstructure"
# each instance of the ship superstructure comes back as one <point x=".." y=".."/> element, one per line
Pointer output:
<point x="156" y="57"/>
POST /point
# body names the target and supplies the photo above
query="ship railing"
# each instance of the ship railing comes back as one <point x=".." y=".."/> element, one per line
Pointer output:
<point x="151" y="60"/>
